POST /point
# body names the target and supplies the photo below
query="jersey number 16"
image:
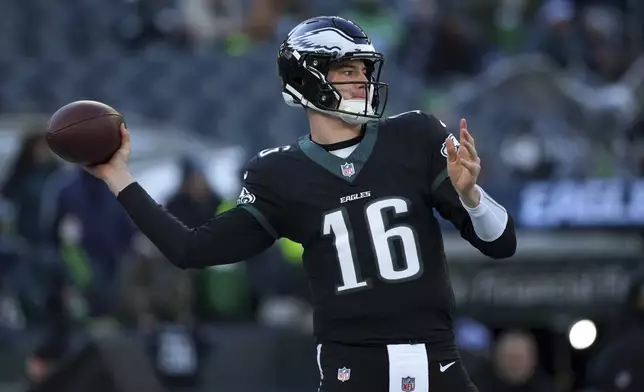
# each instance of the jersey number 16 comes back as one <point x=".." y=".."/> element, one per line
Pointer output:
<point x="336" y="224"/>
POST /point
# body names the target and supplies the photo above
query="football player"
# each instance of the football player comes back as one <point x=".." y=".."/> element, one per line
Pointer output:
<point x="358" y="192"/>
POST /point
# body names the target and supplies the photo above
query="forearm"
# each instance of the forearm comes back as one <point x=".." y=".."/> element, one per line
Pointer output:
<point x="488" y="226"/>
<point x="228" y="238"/>
<point x="488" y="217"/>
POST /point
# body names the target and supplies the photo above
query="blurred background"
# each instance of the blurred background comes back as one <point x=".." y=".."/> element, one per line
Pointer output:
<point x="552" y="89"/>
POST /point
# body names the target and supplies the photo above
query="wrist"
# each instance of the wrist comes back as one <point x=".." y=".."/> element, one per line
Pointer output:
<point x="471" y="198"/>
<point x="118" y="181"/>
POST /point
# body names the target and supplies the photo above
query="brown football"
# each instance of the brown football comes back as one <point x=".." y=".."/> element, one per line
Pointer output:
<point x="85" y="132"/>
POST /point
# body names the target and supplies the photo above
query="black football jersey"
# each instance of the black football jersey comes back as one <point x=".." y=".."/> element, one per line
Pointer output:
<point x="373" y="250"/>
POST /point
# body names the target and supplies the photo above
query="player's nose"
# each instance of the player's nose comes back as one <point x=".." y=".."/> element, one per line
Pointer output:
<point x="361" y="83"/>
<point x="360" y="90"/>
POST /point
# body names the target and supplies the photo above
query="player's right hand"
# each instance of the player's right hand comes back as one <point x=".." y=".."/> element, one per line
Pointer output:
<point x="115" y="173"/>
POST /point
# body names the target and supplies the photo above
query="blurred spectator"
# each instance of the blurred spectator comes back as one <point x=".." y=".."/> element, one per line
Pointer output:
<point x="195" y="202"/>
<point x="152" y="290"/>
<point x="265" y="17"/>
<point x="26" y="181"/>
<point x="237" y="291"/>
<point x="454" y="50"/>
<point x="382" y="23"/>
<point x="177" y="354"/>
<point x="158" y="299"/>
<point x="279" y="288"/>
<point x="278" y="271"/>
<point x="618" y="366"/>
<point x="222" y="292"/>
<point x="419" y="21"/>
<point x="509" y="27"/>
<point x="45" y="359"/>
<point x="474" y="342"/>
<point x="209" y="21"/>
<point x="556" y="34"/>
<point x="632" y="147"/>
<point x="25" y="189"/>
<point x="515" y="368"/>
<point x="147" y="21"/>
<point x="93" y="234"/>
<point x="607" y="51"/>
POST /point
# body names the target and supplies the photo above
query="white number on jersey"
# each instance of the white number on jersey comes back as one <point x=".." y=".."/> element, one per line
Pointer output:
<point x="336" y="223"/>
<point x="269" y="151"/>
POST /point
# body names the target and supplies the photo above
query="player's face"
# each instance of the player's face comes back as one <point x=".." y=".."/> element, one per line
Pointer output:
<point x="349" y="79"/>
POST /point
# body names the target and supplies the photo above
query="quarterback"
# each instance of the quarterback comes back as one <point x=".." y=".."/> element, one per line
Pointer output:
<point x="358" y="191"/>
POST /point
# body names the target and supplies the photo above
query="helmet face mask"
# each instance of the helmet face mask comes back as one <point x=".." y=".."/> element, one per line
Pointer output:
<point x="306" y="57"/>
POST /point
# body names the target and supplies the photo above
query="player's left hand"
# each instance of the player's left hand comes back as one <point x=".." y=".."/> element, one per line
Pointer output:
<point x="464" y="166"/>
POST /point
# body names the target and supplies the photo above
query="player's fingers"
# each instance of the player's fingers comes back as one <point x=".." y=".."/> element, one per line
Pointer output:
<point x="470" y="149"/>
<point x="452" y="155"/>
<point x="469" y="138"/>
<point x="472" y="167"/>
<point x="463" y="130"/>
<point x="125" y="137"/>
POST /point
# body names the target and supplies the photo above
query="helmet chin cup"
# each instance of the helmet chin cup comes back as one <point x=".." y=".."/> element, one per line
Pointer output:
<point x="355" y="111"/>
<point x="351" y="111"/>
<point x="354" y="120"/>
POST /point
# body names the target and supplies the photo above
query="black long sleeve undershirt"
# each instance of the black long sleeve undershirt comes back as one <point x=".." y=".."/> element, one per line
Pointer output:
<point x="230" y="237"/>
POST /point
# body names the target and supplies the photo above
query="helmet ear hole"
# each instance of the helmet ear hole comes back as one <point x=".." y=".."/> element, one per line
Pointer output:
<point x="298" y="81"/>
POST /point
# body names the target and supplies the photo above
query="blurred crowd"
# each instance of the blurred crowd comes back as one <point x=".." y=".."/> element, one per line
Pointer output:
<point x="69" y="256"/>
<point x="440" y="39"/>
<point x="556" y="83"/>
<point x="589" y="129"/>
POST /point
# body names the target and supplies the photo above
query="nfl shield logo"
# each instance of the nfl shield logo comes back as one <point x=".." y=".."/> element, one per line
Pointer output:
<point x="344" y="374"/>
<point x="348" y="170"/>
<point x="408" y="384"/>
